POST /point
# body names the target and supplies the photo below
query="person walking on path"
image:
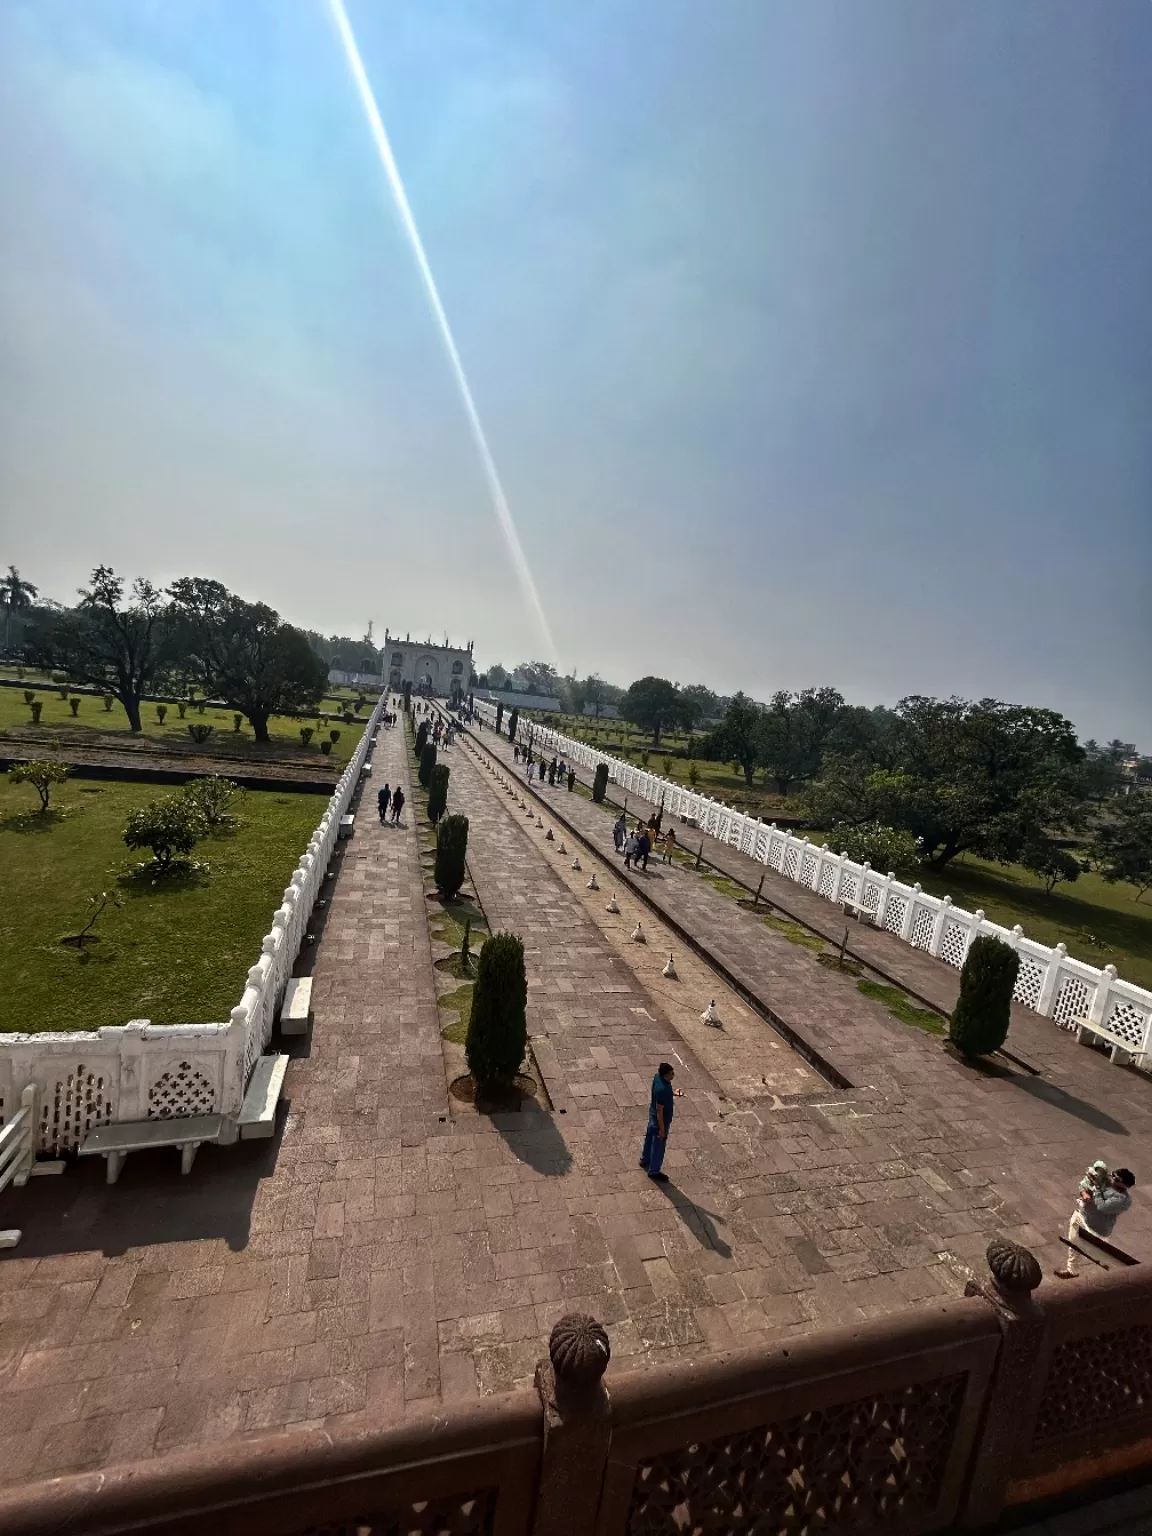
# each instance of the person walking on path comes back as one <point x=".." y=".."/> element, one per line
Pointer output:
<point x="631" y="849"/>
<point x="669" y="844"/>
<point x="397" y="805"/>
<point x="660" y="1108"/>
<point x="619" y="832"/>
<point x="643" y="848"/>
<point x="1096" y="1213"/>
<point x="571" y="780"/>
<point x="382" y="800"/>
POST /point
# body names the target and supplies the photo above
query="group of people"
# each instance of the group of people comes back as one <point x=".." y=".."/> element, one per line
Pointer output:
<point x="393" y="797"/>
<point x="556" y="772"/>
<point x="637" y="845"/>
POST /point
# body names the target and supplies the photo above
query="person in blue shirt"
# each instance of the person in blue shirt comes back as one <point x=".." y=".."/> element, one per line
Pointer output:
<point x="660" y="1109"/>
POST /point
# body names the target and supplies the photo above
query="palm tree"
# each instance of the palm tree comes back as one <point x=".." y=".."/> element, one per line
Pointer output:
<point x="17" y="596"/>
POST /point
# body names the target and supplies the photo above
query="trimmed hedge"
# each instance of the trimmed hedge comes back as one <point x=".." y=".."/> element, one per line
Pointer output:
<point x="437" y="792"/>
<point x="984" y="1008"/>
<point x="498" y="1027"/>
<point x="451" y="855"/>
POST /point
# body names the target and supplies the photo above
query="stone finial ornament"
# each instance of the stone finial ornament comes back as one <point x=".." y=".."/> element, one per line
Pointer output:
<point x="576" y="864"/>
<point x="710" y="1016"/>
<point x="612" y="905"/>
<point x="638" y="936"/>
<point x="669" y="971"/>
<point x="548" y="837"/>
<point x="1015" y="1269"/>
<point x="579" y="1351"/>
<point x="593" y="883"/>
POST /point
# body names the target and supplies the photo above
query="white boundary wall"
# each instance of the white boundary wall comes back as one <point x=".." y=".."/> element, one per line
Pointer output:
<point x="142" y="1071"/>
<point x="1050" y="982"/>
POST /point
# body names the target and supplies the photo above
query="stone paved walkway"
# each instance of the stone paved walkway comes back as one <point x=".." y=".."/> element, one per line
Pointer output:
<point x="393" y="1248"/>
<point x="1020" y="1140"/>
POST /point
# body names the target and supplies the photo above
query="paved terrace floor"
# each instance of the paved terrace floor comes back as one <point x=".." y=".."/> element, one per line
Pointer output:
<point x="393" y="1248"/>
<point x="1023" y="1136"/>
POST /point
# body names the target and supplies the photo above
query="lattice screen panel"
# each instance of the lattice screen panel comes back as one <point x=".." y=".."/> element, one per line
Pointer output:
<point x="469" y="1514"/>
<point x="1096" y="1381"/>
<point x="73" y="1106"/>
<point x="1129" y="1022"/>
<point x="855" y="1467"/>
<point x="181" y="1091"/>
<point x="1029" y="980"/>
<point x="953" y="943"/>
<point x="827" y="881"/>
<point x="1072" y="1001"/>
<point x="922" y="926"/>
<point x="894" y="912"/>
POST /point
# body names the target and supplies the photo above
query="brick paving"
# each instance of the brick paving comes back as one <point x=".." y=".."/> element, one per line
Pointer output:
<point x="392" y="1247"/>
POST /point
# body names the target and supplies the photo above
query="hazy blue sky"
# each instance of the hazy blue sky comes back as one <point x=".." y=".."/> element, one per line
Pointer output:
<point x="813" y="337"/>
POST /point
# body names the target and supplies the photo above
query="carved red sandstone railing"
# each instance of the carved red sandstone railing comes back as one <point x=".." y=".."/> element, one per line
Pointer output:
<point x="932" y="1419"/>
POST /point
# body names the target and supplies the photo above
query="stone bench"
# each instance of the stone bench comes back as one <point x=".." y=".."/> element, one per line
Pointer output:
<point x="258" y="1114"/>
<point x="296" y="1009"/>
<point x="860" y="910"/>
<point x="1121" y="1052"/>
<point x="347" y="826"/>
<point x="114" y="1142"/>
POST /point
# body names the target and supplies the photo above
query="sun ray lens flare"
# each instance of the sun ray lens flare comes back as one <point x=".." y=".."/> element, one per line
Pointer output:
<point x="400" y="197"/>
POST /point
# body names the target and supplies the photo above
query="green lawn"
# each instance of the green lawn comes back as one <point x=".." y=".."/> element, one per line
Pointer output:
<point x="56" y="716"/>
<point x="176" y="955"/>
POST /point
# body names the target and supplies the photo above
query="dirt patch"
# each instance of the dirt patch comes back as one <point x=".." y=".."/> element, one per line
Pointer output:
<point x="464" y="1089"/>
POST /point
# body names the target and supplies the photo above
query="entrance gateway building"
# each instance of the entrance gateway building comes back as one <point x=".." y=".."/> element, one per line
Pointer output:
<point x="440" y="669"/>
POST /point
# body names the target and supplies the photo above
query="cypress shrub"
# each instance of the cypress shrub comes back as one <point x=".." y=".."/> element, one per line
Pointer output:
<point x="498" y="1027"/>
<point x="437" y="792"/>
<point x="983" y="1010"/>
<point x="499" y="713"/>
<point x="427" y="763"/>
<point x="421" y="737"/>
<point x="451" y="852"/>
<point x="513" y="721"/>
<point x="600" y="782"/>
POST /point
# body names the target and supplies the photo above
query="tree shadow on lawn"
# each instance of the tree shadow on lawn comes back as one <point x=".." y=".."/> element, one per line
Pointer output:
<point x="34" y="821"/>
<point x="151" y="1202"/>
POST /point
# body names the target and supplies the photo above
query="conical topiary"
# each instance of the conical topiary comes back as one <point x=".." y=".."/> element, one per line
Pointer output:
<point x="421" y="738"/>
<point x="437" y="791"/>
<point x="600" y="782"/>
<point x="984" y="1008"/>
<point x="427" y="763"/>
<point x="451" y="854"/>
<point x="498" y="1027"/>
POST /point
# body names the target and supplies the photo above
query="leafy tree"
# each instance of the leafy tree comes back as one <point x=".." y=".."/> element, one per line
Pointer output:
<point x="652" y="703"/>
<point x="121" y="646"/>
<point x="984" y="1008"/>
<point x="875" y="844"/>
<point x="1045" y="859"/>
<point x="540" y="676"/>
<point x="983" y="777"/>
<point x="41" y="775"/>
<point x="1123" y="846"/>
<point x="18" y="597"/>
<point x="245" y="653"/>
<point x="738" y="736"/>
<point x="427" y="763"/>
<point x="498" y="1027"/>
<point x="698" y="704"/>
<point x="211" y="798"/>
<point x="169" y="826"/>
<point x="593" y="691"/>
<point x="451" y="855"/>
<point x="497" y="677"/>
<point x="600" y="782"/>
<point x="794" y="733"/>
<point x="437" y="791"/>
